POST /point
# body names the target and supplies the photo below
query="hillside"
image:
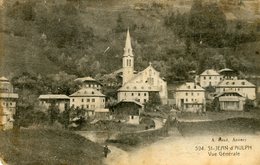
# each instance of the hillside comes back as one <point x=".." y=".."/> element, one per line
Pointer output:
<point x="73" y="36"/>
<point x="43" y="146"/>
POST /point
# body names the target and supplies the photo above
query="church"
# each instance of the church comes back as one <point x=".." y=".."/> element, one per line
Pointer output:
<point x="138" y="86"/>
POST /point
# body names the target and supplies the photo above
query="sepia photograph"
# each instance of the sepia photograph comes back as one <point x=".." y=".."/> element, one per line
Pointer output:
<point x="129" y="82"/>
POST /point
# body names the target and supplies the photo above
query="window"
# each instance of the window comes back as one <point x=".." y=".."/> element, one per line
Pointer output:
<point x="204" y="77"/>
<point x="93" y="100"/>
<point x="139" y="94"/>
<point x="243" y="83"/>
<point x="87" y="106"/>
<point x="132" y="94"/>
<point x="125" y="94"/>
<point x="82" y="100"/>
<point x="103" y="100"/>
<point x="210" y="77"/>
<point x="138" y="100"/>
<point x="135" y="87"/>
<point x="198" y="94"/>
<point x="93" y="92"/>
<point x="191" y="93"/>
<point x="145" y="100"/>
<point x="144" y="94"/>
<point x="186" y="100"/>
<point x="88" y="100"/>
<point x="73" y="100"/>
<point x="195" y="86"/>
<point x="186" y="94"/>
<point x="82" y="106"/>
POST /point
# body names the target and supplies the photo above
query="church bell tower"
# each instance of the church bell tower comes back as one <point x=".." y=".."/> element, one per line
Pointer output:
<point x="128" y="60"/>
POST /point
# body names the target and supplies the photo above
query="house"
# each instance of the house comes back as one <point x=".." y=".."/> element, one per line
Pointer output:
<point x="58" y="100"/>
<point x="89" y="99"/>
<point x="190" y="97"/>
<point x="244" y="87"/>
<point x="231" y="101"/>
<point x="209" y="77"/>
<point x="89" y="82"/>
<point x="8" y="101"/>
<point x="128" y="110"/>
<point x="137" y="86"/>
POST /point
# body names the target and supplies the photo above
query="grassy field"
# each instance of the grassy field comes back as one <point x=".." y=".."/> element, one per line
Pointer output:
<point x="41" y="147"/>
<point x="220" y="127"/>
<point x="112" y="126"/>
<point x="219" y="115"/>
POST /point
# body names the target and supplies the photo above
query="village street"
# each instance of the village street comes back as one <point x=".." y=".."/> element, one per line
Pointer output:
<point x="177" y="150"/>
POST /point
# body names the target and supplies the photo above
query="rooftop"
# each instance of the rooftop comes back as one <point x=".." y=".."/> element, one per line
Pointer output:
<point x="53" y="96"/>
<point x="235" y="83"/>
<point x="4" y="79"/>
<point x="9" y="95"/>
<point x="87" y="92"/>
<point x="189" y="86"/>
<point x="210" y="72"/>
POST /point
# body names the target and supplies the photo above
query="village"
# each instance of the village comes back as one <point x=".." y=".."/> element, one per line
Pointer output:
<point x="141" y="93"/>
<point x="113" y="82"/>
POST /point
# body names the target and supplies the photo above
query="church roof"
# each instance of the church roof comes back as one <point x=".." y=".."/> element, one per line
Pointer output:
<point x="135" y="87"/>
<point x="87" y="92"/>
<point x="132" y="85"/>
<point x="128" y="47"/>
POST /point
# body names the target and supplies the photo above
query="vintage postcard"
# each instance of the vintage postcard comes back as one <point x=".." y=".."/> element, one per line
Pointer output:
<point x="120" y="82"/>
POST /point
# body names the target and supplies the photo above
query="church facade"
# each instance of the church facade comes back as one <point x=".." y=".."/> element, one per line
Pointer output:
<point x="137" y="87"/>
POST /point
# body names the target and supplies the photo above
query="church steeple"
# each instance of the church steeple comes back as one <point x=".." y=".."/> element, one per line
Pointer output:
<point x="128" y="59"/>
<point x="128" y="51"/>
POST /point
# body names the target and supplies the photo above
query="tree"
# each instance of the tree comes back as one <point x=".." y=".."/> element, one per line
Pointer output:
<point x="153" y="102"/>
<point x="207" y="23"/>
<point x="249" y="105"/>
<point x="53" y="113"/>
<point x="64" y="117"/>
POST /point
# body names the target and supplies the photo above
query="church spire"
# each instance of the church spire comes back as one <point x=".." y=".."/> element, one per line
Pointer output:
<point x="128" y="51"/>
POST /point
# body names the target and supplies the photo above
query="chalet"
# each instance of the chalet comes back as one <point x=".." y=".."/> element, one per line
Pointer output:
<point x="231" y="101"/>
<point x="244" y="87"/>
<point x="128" y="111"/>
<point x="8" y="101"/>
<point x="190" y="98"/>
<point x="60" y="101"/>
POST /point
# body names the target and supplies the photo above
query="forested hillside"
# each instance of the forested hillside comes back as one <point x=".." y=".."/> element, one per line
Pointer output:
<point x="86" y="38"/>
